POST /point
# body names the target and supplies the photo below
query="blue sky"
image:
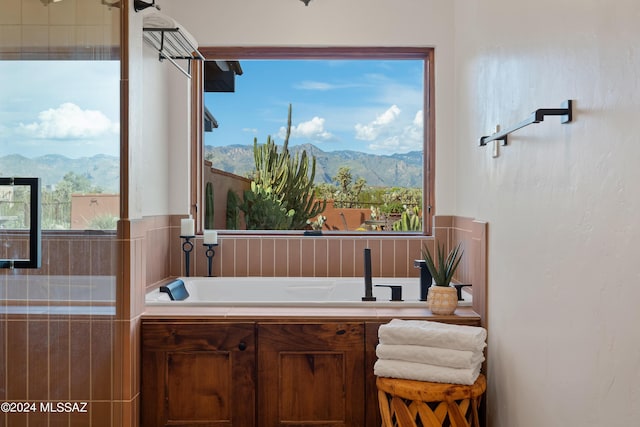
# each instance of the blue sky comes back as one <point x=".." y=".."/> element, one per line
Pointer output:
<point x="371" y="106"/>
<point x="70" y="108"/>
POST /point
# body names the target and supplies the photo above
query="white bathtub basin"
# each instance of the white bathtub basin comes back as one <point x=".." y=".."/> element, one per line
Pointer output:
<point x="292" y="291"/>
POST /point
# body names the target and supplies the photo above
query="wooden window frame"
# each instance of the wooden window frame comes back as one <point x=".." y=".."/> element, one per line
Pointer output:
<point x="382" y="53"/>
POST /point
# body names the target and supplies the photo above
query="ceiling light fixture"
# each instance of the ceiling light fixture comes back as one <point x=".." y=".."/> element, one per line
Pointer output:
<point x="306" y="2"/>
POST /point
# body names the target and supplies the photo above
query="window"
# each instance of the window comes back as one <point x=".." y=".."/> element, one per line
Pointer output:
<point x="65" y="130"/>
<point x="365" y="115"/>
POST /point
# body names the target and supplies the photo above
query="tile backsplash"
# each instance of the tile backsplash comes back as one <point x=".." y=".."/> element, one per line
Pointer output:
<point x="294" y="255"/>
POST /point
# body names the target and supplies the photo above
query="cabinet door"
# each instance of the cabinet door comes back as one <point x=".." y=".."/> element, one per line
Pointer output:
<point x="198" y="374"/>
<point x="311" y="374"/>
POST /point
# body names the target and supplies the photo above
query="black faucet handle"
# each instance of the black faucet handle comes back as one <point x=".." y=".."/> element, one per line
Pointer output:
<point x="459" y="287"/>
<point x="396" y="291"/>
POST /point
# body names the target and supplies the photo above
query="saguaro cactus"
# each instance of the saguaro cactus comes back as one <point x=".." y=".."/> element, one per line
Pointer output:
<point x="291" y="178"/>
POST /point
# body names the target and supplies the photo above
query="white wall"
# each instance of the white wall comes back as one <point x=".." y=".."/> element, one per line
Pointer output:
<point x="562" y="204"/>
<point x="159" y="115"/>
<point x="338" y="23"/>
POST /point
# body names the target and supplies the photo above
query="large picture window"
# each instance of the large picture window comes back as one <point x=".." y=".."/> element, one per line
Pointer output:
<point x="332" y="140"/>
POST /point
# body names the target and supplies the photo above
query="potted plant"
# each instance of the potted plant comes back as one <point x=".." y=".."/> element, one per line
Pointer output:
<point x="442" y="297"/>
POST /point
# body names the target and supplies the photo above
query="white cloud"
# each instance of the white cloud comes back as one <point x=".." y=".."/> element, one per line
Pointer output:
<point x="418" y="120"/>
<point x="312" y="129"/>
<point x="401" y="139"/>
<point x="375" y="128"/>
<point x="69" y="121"/>
<point x="311" y="85"/>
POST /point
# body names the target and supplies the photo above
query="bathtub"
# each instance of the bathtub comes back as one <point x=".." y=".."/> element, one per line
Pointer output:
<point x="293" y="292"/>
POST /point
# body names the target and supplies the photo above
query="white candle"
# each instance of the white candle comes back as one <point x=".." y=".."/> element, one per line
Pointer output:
<point x="210" y="237"/>
<point x="187" y="227"/>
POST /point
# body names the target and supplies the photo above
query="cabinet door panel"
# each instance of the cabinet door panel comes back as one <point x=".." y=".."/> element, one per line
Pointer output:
<point x="198" y="374"/>
<point x="311" y="374"/>
<point x="197" y="386"/>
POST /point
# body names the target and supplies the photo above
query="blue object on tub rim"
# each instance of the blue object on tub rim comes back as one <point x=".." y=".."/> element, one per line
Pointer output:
<point x="176" y="290"/>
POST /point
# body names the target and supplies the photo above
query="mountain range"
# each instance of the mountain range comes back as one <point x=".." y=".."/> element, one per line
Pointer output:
<point x="395" y="170"/>
<point x="101" y="169"/>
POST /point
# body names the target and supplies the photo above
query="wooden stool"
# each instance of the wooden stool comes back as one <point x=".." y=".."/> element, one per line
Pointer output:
<point x="409" y="403"/>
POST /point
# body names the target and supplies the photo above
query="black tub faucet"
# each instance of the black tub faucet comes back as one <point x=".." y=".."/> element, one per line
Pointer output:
<point x="425" y="278"/>
<point x="368" y="288"/>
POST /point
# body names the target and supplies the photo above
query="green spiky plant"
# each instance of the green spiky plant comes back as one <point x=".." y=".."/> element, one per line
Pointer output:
<point x="233" y="211"/>
<point x="208" y="207"/>
<point x="265" y="210"/>
<point x="443" y="267"/>
<point x="411" y="220"/>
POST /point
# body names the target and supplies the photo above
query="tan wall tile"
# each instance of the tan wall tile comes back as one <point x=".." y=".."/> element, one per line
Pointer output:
<point x="38" y="347"/>
<point x="59" y="356"/>
<point x="59" y="419"/>
<point x="347" y="247"/>
<point x="79" y="340"/>
<point x="241" y="257"/>
<point x="268" y="257"/>
<point x="38" y="418"/>
<point x="320" y="260"/>
<point x="295" y="257"/>
<point x="254" y="259"/>
<point x="101" y="359"/>
<point x="17" y="359"/>
<point x="100" y="414"/>
<point x="59" y="257"/>
<point x="388" y="258"/>
<point x="307" y="257"/>
<point x="402" y="269"/>
<point x="334" y="258"/>
<point x="79" y="258"/>
<point x="226" y="253"/>
<point x="17" y="420"/>
<point x="281" y="251"/>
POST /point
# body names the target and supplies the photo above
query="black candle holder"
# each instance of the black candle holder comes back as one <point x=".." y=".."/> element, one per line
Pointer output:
<point x="187" y="247"/>
<point x="210" y="252"/>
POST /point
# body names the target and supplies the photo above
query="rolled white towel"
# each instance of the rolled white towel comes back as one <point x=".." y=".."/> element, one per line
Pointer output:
<point x="424" y="372"/>
<point x="433" y="334"/>
<point x="430" y="355"/>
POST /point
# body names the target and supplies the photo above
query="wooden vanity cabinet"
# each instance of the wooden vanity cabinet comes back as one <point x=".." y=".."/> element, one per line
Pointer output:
<point x="264" y="373"/>
<point x="199" y="373"/>
<point x="210" y="374"/>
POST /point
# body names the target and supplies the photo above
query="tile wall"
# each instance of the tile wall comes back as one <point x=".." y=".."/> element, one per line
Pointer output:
<point x="59" y="337"/>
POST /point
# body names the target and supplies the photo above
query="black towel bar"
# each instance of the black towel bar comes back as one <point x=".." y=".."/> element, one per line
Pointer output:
<point x="565" y="113"/>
